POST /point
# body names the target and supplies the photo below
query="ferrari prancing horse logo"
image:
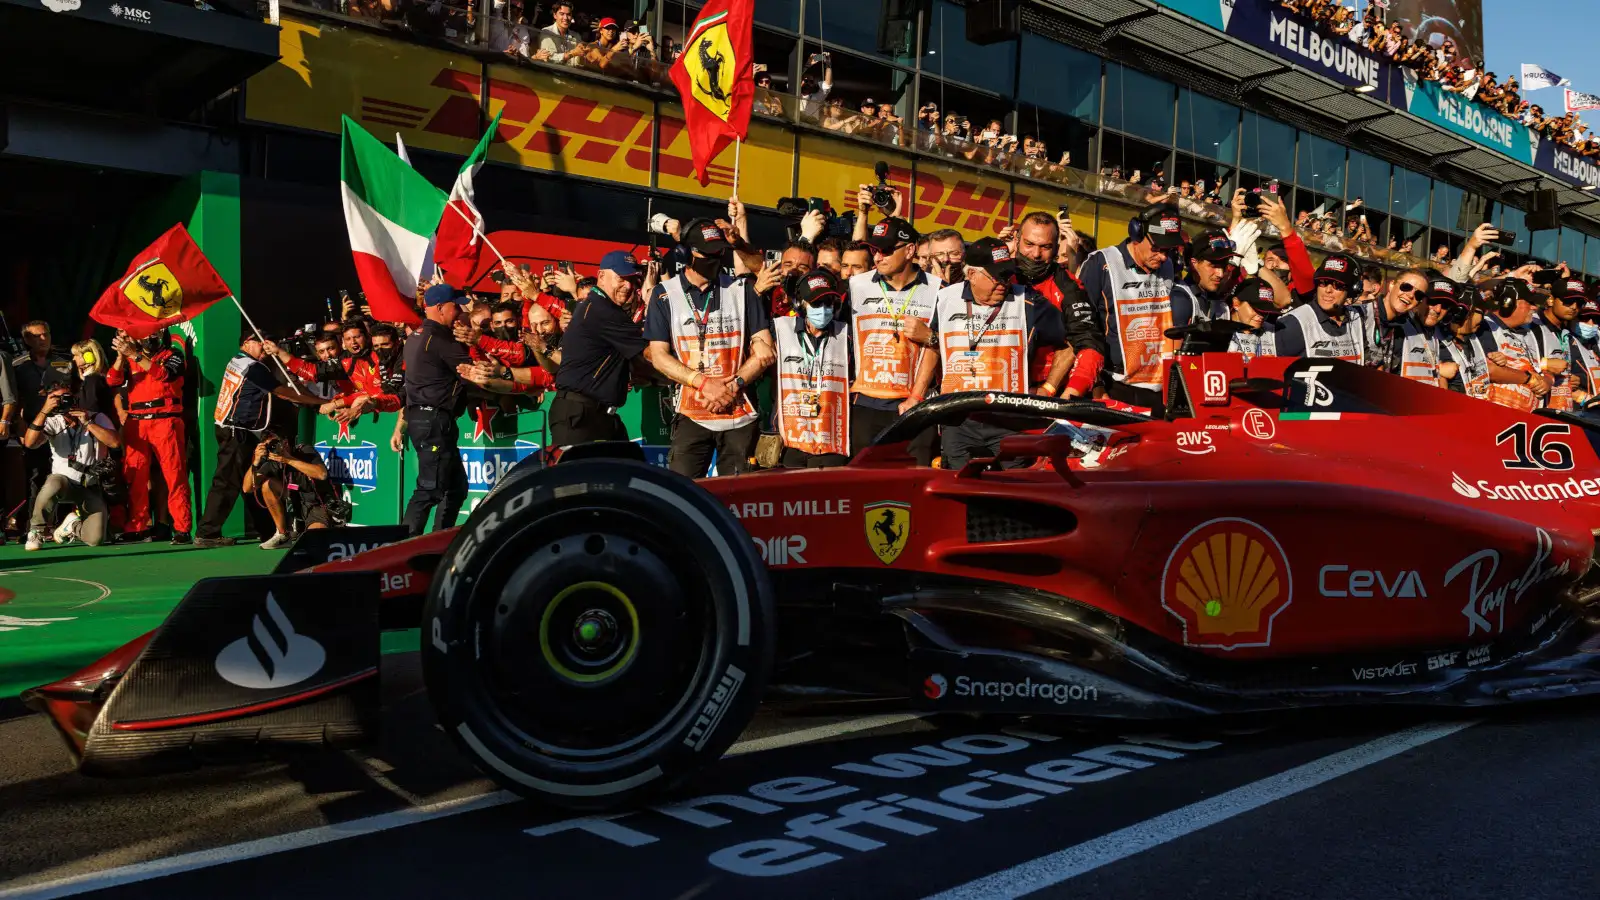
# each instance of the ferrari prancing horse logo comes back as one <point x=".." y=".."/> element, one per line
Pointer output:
<point x="709" y="59"/>
<point x="888" y="525"/>
<point x="153" y="289"/>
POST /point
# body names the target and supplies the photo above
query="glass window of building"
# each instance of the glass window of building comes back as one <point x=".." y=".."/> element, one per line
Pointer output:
<point x="1127" y="158"/>
<point x="1139" y="104"/>
<point x="1410" y="199"/>
<point x="1207" y="128"/>
<point x="1446" y="206"/>
<point x="964" y="114"/>
<point x="1056" y="77"/>
<point x="1591" y="258"/>
<point x="1321" y="166"/>
<point x="1061" y="134"/>
<point x="1369" y="181"/>
<point x="1546" y="244"/>
<point x="853" y="25"/>
<point x="1203" y="176"/>
<point x="1267" y="146"/>
<point x="783" y="14"/>
<point x="948" y="55"/>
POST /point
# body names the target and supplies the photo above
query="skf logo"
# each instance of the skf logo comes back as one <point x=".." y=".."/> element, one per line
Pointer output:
<point x="934" y="687"/>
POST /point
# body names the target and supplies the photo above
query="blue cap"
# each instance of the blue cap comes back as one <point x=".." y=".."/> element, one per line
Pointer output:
<point x="440" y="294"/>
<point x="620" y="263"/>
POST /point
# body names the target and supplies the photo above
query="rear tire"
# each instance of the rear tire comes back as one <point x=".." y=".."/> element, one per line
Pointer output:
<point x="596" y="632"/>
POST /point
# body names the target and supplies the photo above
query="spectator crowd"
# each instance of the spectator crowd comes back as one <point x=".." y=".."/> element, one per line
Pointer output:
<point x="791" y="356"/>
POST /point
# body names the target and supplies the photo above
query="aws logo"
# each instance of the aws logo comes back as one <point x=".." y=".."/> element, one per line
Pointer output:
<point x="577" y="128"/>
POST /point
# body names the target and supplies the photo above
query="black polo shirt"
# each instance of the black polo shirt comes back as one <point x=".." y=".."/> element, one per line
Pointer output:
<point x="432" y="355"/>
<point x="595" y="350"/>
<point x="30" y="377"/>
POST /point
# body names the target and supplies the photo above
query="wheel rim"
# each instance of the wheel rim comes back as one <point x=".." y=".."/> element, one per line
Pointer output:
<point x="589" y="634"/>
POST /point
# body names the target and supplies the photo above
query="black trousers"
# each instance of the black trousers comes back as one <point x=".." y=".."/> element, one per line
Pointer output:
<point x="578" y="419"/>
<point x="236" y="449"/>
<point x="693" y="444"/>
<point x="441" y="478"/>
<point x="795" y="459"/>
<point x="867" y="423"/>
<point x="975" y="439"/>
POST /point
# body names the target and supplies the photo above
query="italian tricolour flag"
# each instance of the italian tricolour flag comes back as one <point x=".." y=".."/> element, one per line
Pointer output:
<point x="459" y="246"/>
<point x="392" y="212"/>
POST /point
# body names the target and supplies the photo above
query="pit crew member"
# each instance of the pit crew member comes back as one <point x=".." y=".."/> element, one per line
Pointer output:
<point x="153" y="369"/>
<point x="1552" y="330"/>
<point x="1130" y="288"/>
<point x="1327" y="326"/>
<point x="813" y="374"/>
<point x="1255" y="306"/>
<point x="1041" y="244"/>
<point x="1586" y="351"/>
<point x="1463" y="362"/>
<point x="890" y="310"/>
<point x="1204" y="293"/>
<point x="1513" y="352"/>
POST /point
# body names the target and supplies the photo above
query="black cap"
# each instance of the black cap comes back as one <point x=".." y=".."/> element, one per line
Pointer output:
<point x="1162" y="225"/>
<point x="1259" y="293"/>
<point x="992" y="256"/>
<point x="1443" y="290"/>
<point x="54" y="378"/>
<point x="890" y="234"/>
<point x="819" y="287"/>
<point x="1589" y="310"/>
<point x="704" y="237"/>
<point x="1570" y="289"/>
<point x="1518" y="289"/>
<point x="1342" y="269"/>
<point x="1214" y="245"/>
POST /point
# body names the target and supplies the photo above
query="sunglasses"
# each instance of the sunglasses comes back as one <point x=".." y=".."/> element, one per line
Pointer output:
<point x="1409" y="288"/>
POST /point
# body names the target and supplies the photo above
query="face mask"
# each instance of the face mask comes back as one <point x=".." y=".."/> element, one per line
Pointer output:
<point x="507" y="332"/>
<point x="1033" y="270"/>
<point x="705" y="266"/>
<point x="819" y="316"/>
<point x="1588" y="330"/>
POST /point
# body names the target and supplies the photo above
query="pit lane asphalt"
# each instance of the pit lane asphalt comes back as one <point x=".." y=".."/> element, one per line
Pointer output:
<point x="1491" y="805"/>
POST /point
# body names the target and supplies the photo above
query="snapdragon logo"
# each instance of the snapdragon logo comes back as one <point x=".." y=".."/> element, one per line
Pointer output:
<point x="1571" y="489"/>
<point x="1026" y="689"/>
<point x="272" y="655"/>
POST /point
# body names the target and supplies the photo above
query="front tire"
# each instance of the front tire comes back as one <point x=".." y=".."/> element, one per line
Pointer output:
<point x="596" y="632"/>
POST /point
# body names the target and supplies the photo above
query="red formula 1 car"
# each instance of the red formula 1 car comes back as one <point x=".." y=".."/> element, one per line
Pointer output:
<point x="1290" y="533"/>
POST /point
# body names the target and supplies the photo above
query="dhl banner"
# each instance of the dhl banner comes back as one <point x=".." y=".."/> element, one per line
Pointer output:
<point x="766" y="162"/>
<point x="386" y="85"/>
<point x="571" y="126"/>
<point x="947" y="197"/>
<point x="1030" y="198"/>
<point x="836" y="170"/>
<point x="1113" y="224"/>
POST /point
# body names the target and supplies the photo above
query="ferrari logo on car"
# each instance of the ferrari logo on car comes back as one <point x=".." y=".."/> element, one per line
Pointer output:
<point x="1226" y="581"/>
<point x="888" y="526"/>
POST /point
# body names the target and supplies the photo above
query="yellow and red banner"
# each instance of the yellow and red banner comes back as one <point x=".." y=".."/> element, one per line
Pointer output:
<point x="715" y="79"/>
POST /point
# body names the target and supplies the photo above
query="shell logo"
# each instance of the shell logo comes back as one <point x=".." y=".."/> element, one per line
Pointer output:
<point x="1226" y="581"/>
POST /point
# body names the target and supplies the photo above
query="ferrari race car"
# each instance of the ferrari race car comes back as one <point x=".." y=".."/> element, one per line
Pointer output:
<point x="1288" y="533"/>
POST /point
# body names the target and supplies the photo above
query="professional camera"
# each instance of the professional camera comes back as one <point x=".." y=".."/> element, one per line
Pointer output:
<point x="883" y="196"/>
<point x="105" y="476"/>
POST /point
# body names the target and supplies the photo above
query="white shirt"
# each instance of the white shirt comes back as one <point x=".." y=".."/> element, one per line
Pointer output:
<point x="70" y="440"/>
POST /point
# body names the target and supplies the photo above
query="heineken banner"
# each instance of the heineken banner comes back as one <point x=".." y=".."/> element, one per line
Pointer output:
<point x="1296" y="39"/>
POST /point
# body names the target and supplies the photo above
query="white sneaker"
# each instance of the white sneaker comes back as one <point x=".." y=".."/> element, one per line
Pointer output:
<point x="33" y="542"/>
<point x="276" y="542"/>
<point x="68" y="529"/>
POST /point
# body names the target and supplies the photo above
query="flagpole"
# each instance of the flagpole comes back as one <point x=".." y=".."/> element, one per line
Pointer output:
<point x="479" y="232"/>
<point x="737" y="144"/>
<point x="257" y="332"/>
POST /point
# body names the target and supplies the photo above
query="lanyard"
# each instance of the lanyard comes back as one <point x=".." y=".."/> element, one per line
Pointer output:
<point x="812" y="349"/>
<point x="976" y="337"/>
<point x="702" y="320"/>
<point x="897" y="314"/>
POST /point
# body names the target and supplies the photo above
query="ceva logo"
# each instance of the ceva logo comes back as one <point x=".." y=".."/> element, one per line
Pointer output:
<point x="272" y="655"/>
<point x="351" y="466"/>
<point x="1463" y="488"/>
<point x="934" y="687"/>
<point x="486" y="465"/>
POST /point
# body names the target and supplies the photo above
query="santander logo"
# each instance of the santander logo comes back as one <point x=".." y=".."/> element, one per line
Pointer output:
<point x="934" y="687"/>
<point x="1463" y="488"/>
<point x="273" y="655"/>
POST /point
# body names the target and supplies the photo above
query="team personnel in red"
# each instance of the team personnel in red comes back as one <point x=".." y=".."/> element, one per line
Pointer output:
<point x="1038" y="251"/>
<point x="153" y="368"/>
<point x="363" y="369"/>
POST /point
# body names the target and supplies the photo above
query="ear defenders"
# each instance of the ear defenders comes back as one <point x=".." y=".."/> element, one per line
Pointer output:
<point x="1506" y="296"/>
<point x="1137" y="225"/>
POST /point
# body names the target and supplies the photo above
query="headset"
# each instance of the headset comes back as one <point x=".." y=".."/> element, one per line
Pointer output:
<point x="1505" y="298"/>
<point x="1138" y="224"/>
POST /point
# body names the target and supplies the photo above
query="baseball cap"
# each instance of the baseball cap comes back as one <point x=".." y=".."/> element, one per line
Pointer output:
<point x="888" y="234"/>
<point x="1163" y="225"/>
<point x="1570" y="289"/>
<point x="1521" y="290"/>
<point x="1259" y="293"/>
<point x="620" y="263"/>
<point x="1589" y="310"/>
<point x="819" y="286"/>
<point x="607" y="22"/>
<point x="1341" y="269"/>
<point x="992" y="256"/>
<point x="1214" y="245"/>
<point x="1443" y="290"/>
<point x="440" y="294"/>
<point x="705" y="238"/>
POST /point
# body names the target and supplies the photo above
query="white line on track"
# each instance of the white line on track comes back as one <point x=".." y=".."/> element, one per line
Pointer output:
<point x="1063" y="865"/>
<point x="310" y="837"/>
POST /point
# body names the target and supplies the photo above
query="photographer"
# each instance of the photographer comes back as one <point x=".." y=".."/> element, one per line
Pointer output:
<point x="277" y="471"/>
<point x="79" y="442"/>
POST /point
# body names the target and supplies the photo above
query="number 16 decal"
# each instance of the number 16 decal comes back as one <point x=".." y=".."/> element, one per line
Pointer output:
<point x="1541" y="452"/>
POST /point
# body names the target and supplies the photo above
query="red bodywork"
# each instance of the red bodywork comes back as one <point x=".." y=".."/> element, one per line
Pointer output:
<point x="1373" y="545"/>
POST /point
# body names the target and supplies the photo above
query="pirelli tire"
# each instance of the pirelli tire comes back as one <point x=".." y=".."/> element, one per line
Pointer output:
<point x="596" y="632"/>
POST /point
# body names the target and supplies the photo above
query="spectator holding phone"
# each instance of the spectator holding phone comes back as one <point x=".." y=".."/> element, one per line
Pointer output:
<point x="78" y="440"/>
